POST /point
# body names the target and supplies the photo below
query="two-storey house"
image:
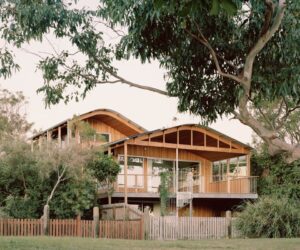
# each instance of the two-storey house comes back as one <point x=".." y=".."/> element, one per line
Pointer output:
<point x="207" y="171"/>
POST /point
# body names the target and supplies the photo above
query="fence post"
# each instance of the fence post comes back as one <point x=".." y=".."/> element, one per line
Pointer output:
<point x="228" y="223"/>
<point x="96" y="221"/>
<point x="45" y="220"/>
<point x="146" y="220"/>
<point x="78" y="222"/>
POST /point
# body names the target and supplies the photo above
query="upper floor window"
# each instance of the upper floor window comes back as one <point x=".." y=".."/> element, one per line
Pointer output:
<point x="237" y="166"/>
<point x="102" y="137"/>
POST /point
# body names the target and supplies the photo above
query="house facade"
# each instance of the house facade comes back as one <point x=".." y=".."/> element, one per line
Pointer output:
<point x="204" y="171"/>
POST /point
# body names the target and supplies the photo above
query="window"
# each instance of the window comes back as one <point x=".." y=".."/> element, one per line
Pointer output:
<point x="135" y="171"/>
<point x="237" y="167"/>
<point x="219" y="170"/>
<point x="102" y="137"/>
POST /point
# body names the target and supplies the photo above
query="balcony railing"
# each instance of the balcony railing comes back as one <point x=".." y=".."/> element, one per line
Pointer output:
<point x="139" y="183"/>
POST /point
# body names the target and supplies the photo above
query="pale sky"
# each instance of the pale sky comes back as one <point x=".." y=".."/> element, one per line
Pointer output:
<point x="150" y="110"/>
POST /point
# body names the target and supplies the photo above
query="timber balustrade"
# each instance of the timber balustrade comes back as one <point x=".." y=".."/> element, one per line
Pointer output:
<point x="139" y="183"/>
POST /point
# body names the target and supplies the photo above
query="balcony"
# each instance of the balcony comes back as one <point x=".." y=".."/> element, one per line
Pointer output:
<point x="233" y="185"/>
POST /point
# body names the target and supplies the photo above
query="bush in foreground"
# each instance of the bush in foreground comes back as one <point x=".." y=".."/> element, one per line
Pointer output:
<point x="270" y="217"/>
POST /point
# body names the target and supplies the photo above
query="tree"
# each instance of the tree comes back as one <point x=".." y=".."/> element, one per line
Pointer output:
<point x="64" y="163"/>
<point x="13" y="122"/>
<point x="29" y="179"/>
<point x="105" y="169"/>
<point x="220" y="64"/>
<point x="278" y="116"/>
<point x="221" y="56"/>
<point x="73" y="197"/>
<point x="21" y="187"/>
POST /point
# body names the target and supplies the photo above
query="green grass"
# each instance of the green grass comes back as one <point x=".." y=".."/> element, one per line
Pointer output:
<point x="46" y="243"/>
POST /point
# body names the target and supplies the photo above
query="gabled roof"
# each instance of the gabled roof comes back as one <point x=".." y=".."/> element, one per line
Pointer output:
<point x="108" y="112"/>
<point x="182" y="125"/>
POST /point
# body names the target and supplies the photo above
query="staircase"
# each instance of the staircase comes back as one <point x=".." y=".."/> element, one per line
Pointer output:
<point x="183" y="199"/>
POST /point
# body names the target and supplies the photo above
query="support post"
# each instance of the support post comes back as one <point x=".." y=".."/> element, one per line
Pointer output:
<point x="78" y="223"/>
<point x="177" y="172"/>
<point x="49" y="136"/>
<point x="59" y="136"/>
<point x="69" y="133"/>
<point x="45" y="220"/>
<point x="191" y="208"/>
<point x="145" y="167"/>
<point x="228" y="223"/>
<point x="248" y="157"/>
<point x="40" y="142"/>
<point x="125" y="174"/>
<point x="227" y="174"/>
<point x="96" y="221"/>
<point x="146" y="220"/>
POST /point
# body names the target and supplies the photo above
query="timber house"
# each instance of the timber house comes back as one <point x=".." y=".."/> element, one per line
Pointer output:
<point x="209" y="172"/>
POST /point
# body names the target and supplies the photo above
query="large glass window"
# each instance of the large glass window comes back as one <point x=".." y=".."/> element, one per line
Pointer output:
<point x="237" y="167"/>
<point x="219" y="170"/>
<point x="135" y="172"/>
<point x="155" y="168"/>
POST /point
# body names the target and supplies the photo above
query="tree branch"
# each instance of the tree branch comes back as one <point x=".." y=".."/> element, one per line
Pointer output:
<point x="119" y="79"/>
<point x="204" y="41"/>
<point x="129" y="83"/>
<point x="262" y="41"/>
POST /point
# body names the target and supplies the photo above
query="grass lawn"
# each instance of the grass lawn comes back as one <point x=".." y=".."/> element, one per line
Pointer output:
<point x="85" y="243"/>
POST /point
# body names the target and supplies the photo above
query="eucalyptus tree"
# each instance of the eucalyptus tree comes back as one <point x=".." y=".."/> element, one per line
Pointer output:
<point x="222" y="57"/>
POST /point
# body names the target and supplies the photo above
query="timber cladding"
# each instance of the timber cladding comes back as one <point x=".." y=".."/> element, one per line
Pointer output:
<point x="102" y="127"/>
<point x="156" y="152"/>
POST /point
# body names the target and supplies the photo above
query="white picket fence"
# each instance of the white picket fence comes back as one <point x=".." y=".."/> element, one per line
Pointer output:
<point x="189" y="228"/>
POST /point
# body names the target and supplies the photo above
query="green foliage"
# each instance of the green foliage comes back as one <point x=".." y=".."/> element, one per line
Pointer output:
<point x="23" y="21"/>
<point x="162" y="33"/>
<point x="270" y="218"/>
<point x="27" y="179"/>
<point x="73" y="197"/>
<point x="85" y="130"/>
<point x="25" y="185"/>
<point x="276" y="177"/>
<point x="19" y="174"/>
<point x="164" y="192"/>
<point x="7" y="64"/>
<point x="3" y="214"/>
<point x="13" y="121"/>
<point x="105" y="169"/>
<point x="23" y="207"/>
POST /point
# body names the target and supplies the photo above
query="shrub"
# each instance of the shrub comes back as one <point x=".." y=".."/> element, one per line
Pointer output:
<point x="270" y="217"/>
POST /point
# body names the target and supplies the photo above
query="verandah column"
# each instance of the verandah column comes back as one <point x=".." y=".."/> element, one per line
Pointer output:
<point x="227" y="174"/>
<point x="59" y="136"/>
<point x="125" y="173"/>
